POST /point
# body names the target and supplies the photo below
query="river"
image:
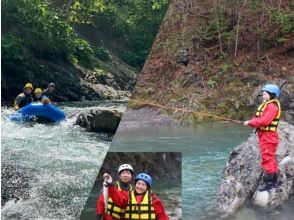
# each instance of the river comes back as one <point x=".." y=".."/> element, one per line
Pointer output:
<point x="205" y="149"/>
<point x="62" y="161"/>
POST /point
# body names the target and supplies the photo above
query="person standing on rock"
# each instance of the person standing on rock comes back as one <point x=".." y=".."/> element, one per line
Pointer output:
<point x="24" y="98"/>
<point x="125" y="174"/>
<point x="266" y="121"/>
<point x="48" y="92"/>
<point x="140" y="203"/>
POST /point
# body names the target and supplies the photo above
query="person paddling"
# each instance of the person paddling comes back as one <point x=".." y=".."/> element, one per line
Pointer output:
<point x="125" y="175"/>
<point x="266" y="121"/>
<point x="140" y="203"/>
<point x="49" y="91"/>
<point x="24" y="98"/>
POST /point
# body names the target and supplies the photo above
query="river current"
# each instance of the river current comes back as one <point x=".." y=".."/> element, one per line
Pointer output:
<point x="60" y="161"/>
<point x="205" y="149"/>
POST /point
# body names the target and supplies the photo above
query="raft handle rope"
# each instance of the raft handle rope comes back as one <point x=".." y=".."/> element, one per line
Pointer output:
<point x="185" y="110"/>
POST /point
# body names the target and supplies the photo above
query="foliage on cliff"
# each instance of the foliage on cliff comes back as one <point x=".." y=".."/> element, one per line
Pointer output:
<point x="45" y="29"/>
<point x="50" y="40"/>
<point x="212" y="55"/>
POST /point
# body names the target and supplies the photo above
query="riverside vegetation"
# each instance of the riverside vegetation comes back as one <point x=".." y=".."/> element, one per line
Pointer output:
<point x="92" y="50"/>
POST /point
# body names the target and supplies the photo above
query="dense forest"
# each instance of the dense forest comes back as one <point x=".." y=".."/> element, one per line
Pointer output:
<point x="215" y="55"/>
<point x="37" y="34"/>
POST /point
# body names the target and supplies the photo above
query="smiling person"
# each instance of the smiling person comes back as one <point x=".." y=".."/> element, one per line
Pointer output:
<point x="38" y="95"/>
<point x="125" y="175"/>
<point x="266" y="121"/>
<point x="141" y="202"/>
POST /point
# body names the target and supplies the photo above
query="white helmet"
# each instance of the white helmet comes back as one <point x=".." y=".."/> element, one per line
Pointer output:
<point x="125" y="167"/>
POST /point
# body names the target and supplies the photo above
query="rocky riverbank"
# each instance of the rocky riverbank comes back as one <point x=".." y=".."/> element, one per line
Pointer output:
<point x="193" y="64"/>
<point x="243" y="174"/>
<point x="134" y="118"/>
<point x="112" y="80"/>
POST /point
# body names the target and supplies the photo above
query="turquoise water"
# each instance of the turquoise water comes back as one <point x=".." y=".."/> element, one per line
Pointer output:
<point x="205" y="149"/>
<point x="62" y="160"/>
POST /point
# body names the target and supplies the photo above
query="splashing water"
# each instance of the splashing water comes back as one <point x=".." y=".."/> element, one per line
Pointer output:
<point x="62" y="161"/>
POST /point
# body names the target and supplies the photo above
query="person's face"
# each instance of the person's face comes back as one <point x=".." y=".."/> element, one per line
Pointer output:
<point x="51" y="88"/>
<point x="28" y="90"/>
<point x="125" y="176"/>
<point x="141" y="186"/>
<point x="265" y="96"/>
<point x="38" y="95"/>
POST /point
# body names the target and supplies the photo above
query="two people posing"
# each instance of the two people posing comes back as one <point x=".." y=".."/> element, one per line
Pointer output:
<point x="128" y="202"/>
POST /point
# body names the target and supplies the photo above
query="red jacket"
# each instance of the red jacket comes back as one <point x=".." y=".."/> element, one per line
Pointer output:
<point x="121" y="199"/>
<point x="265" y="119"/>
<point x="100" y="206"/>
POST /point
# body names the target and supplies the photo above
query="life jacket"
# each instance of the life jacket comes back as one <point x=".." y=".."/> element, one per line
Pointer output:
<point x="114" y="210"/>
<point x="37" y="99"/>
<point x="144" y="210"/>
<point x="22" y="100"/>
<point x="274" y="124"/>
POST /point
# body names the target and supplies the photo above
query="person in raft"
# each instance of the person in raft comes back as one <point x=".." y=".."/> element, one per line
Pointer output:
<point x="266" y="121"/>
<point x="48" y="92"/>
<point x="125" y="175"/>
<point x="140" y="203"/>
<point x="38" y="95"/>
<point x="24" y="98"/>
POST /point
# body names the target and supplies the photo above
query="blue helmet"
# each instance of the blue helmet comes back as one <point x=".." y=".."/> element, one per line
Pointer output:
<point x="271" y="88"/>
<point x="145" y="177"/>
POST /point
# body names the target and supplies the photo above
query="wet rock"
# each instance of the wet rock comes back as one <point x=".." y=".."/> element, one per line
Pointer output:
<point x="100" y="120"/>
<point x="14" y="184"/>
<point x="243" y="174"/>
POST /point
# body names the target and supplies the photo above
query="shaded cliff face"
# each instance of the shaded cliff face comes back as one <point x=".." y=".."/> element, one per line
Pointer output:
<point x="161" y="166"/>
<point x="111" y="79"/>
<point x="213" y="55"/>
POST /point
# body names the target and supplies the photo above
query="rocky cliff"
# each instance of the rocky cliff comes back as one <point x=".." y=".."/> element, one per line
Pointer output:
<point x="109" y="80"/>
<point x="213" y="55"/>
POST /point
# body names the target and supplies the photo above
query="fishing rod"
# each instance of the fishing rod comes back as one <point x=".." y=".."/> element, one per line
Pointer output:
<point x="185" y="110"/>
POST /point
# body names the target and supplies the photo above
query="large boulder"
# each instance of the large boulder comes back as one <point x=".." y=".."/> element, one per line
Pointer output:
<point x="100" y="120"/>
<point x="243" y="174"/>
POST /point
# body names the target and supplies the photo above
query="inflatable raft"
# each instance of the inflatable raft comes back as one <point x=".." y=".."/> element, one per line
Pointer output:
<point x="38" y="110"/>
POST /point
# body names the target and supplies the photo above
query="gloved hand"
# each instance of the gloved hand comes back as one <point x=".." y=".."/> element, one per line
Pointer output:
<point x="45" y="100"/>
<point x="107" y="178"/>
<point x="246" y="123"/>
